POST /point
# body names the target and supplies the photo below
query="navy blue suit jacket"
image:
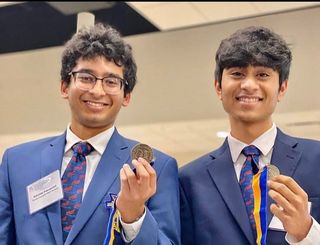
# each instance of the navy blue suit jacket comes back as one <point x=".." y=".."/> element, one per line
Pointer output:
<point x="212" y="208"/>
<point x="26" y="163"/>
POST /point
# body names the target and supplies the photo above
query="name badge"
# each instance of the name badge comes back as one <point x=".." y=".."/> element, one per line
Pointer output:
<point x="44" y="192"/>
<point x="277" y="225"/>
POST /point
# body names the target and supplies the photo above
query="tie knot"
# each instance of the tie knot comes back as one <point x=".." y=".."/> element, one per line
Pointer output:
<point x="82" y="148"/>
<point x="251" y="150"/>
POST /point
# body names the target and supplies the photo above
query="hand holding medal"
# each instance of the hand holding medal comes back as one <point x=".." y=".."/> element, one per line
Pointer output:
<point x="291" y="203"/>
<point x="137" y="185"/>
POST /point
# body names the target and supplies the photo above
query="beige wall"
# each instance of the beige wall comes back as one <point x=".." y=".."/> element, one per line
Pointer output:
<point x="175" y="71"/>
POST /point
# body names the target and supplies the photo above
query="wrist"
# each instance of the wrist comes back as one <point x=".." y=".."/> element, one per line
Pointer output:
<point x="300" y="236"/>
<point x="132" y="216"/>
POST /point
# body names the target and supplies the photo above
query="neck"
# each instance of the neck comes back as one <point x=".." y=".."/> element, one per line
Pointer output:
<point x="247" y="132"/>
<point x="85" y="133"/>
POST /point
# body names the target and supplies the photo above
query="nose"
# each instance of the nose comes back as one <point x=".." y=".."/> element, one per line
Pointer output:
<point x="98" y="88"/>
<point x="249" y="83"/>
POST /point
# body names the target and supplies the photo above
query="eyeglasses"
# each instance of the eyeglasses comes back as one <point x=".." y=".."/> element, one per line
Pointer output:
<point x="86" y="81"/>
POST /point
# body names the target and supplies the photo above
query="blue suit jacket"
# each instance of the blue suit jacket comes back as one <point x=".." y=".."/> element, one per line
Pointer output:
<point x="212" y="208"/>
<point x="26" y="163"/>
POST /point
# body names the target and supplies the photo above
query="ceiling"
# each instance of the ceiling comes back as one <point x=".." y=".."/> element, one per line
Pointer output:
<point x="175" y="15"/>
<point x="34" y="25"/>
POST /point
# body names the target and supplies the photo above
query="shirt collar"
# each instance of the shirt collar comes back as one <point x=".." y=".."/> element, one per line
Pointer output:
<point x="264" y="143"/>
<point x="99" y="141"/>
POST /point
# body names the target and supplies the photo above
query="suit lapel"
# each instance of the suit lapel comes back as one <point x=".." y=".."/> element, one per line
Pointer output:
<point x="51" y="159"/>
<point x="115" y="155"/>
<point x="285" y="157"/>
<point x="223" y="174"/>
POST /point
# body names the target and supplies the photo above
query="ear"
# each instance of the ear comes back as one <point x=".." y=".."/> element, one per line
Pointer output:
<point x="126" y="100"/>
<point x="282" y="90"/>
<point x="64" y="89"/>
<point x="217" y="88"/>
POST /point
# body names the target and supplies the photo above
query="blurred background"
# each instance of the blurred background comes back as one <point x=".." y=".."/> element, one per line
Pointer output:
<point x="174" y="106"/>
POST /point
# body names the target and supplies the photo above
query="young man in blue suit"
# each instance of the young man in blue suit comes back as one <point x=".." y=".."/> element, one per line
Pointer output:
<point x="251" y="77"/>
<point x="108" y="203"/>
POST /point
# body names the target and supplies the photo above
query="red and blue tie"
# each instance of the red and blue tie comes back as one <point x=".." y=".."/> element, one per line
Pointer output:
<point x="72" y="183"/>
<point x="249" y="168"/>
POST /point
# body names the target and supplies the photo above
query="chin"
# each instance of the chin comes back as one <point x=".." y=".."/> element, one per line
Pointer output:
<point x="248" y="119"/>
<point x="94" y="123"/>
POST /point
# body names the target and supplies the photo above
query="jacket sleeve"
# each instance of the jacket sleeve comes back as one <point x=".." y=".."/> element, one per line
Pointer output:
<point x="7" y="227"/>
<point x="161" y="225"/>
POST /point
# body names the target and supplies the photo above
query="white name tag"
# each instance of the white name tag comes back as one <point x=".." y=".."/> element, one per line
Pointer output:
<point x="276" y="224"/>
<point x="44" y="192"/>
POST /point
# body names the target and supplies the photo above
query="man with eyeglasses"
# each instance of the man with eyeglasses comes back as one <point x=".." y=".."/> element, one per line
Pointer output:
<point x="82" y="187"/>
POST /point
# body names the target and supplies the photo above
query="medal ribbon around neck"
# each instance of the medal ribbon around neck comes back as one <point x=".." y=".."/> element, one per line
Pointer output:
<point x="259" y="187"/>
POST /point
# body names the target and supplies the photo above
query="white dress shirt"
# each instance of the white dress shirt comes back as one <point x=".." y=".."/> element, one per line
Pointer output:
<point x="265" y="144"/>
<point x="99" y="143"/>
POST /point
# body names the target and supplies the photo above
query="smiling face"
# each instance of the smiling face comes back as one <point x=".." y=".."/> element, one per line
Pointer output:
<point x="250" y="94"/>
<point x="93" y="111"/>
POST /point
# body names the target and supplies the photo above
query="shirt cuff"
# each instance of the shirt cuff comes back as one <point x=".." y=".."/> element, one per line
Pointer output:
<point x="313" y="236"/>
<point x="130" y="231"/>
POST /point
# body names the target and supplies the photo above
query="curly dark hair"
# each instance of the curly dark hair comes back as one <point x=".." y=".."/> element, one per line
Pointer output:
<point x="257" y="46"/>
<point x="99" y="40"/>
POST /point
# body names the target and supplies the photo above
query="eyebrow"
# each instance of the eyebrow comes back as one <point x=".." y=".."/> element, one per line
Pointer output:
<point x="106" y="74"/>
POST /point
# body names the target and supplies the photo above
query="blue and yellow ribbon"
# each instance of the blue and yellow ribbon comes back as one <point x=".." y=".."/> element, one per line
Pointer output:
<point x="113" y="226"/>
<point x="259" y="186"/>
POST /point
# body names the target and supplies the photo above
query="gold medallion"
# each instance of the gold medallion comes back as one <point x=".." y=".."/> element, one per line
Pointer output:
<point x="142" y="150"/>
<point x="273" y="171"/>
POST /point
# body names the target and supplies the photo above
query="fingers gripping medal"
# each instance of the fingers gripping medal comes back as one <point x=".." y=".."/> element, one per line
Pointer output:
<point x="144" y="151"/>
<point x="273" y="171"/>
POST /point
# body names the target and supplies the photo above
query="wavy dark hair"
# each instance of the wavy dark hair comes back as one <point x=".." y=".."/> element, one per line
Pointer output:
<point x="99" y="40"/>
<point x="257" y="46"/>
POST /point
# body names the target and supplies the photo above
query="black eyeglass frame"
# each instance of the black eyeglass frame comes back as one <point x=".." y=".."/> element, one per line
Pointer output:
<point x="123" y="81"/>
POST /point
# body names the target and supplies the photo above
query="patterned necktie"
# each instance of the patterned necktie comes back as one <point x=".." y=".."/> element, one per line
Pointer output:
<point x="73" y="182"/>
<point x="249" y="168"/>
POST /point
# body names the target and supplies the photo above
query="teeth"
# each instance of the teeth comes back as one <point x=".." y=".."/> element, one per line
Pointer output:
<point x="95" y="104"/>
<point x="248" y="100"/>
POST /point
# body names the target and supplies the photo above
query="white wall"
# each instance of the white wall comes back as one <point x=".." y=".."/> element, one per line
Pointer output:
<point x="175" y="71"/>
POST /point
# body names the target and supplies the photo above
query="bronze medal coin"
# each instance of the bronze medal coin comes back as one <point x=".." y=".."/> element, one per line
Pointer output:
<point x="142" y="150"/>
<point x="273" y="171"/>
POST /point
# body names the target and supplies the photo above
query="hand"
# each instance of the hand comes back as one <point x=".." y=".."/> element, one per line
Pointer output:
<point x="135" y="189"/>
<point x="291" y="206"/>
